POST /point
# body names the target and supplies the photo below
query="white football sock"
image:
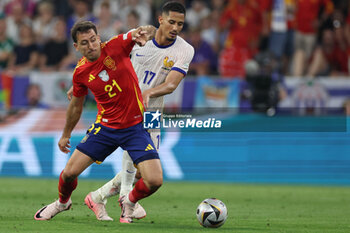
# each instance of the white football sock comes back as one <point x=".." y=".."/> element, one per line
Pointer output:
<point x="111" y="188"/>
<point x="127" y="175"/>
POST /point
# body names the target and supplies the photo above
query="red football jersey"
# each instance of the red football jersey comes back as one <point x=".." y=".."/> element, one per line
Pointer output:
<point x="113" y="81"/>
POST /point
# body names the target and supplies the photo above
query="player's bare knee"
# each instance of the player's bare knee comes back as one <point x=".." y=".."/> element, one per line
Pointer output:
<point x="154" y="183"/>
<point x="157" y="182"/>
<point x="68" y="175"/>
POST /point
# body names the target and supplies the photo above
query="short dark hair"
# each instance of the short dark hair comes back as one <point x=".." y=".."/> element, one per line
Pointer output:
<point x="82" y="26"/>
<point x="173" y="6"/>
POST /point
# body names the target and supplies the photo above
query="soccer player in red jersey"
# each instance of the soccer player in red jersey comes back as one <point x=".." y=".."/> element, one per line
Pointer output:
<point x="166" y="58"/>
<point x="107" y="71"/>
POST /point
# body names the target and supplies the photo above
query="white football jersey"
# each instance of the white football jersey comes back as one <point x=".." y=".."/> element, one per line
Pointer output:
<point x="153" y="62"/>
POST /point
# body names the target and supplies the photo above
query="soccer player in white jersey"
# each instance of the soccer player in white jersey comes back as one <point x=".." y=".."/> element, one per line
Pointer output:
<point x="160" y="66"/>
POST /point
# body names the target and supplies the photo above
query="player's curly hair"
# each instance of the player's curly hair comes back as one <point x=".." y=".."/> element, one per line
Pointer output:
<point x="82" y="26"/>
<point x="173" y="6"/>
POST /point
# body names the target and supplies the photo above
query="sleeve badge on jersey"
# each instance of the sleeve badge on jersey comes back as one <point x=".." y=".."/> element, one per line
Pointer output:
<point x="186" y="65"/>
<point x="125" y="36"/>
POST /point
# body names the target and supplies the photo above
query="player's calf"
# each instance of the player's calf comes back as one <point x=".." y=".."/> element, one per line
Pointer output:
<point x="153" y="183"/>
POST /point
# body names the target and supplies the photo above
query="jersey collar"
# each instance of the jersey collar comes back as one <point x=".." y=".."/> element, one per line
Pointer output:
<point x="160" y="46"/>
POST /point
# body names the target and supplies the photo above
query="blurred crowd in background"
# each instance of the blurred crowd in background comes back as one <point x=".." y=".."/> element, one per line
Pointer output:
<point x="299" y="37"/>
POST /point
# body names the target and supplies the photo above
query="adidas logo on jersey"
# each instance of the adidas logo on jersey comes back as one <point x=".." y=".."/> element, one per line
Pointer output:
<point x="91" y="78"/>
<point x="149" y="147"/>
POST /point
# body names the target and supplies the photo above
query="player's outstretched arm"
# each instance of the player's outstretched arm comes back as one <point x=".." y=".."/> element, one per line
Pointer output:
<point x="75" y="108"/>
<point x="171" y="82"/>
<point x="143" y="34"/>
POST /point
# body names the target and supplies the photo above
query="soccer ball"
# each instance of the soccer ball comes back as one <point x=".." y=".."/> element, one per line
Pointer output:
<point x="211" y="213"/>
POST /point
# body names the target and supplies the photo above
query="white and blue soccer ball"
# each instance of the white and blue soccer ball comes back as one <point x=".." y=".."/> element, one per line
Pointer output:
<point x="211" y="213"/>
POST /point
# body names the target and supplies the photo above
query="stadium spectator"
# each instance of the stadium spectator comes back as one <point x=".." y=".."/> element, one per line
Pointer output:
<point x="213" y="27"/>
<point x="243" y="19"/>
<point x="196" y="13"/>
<point x="34" y="95"/>
<point x="25" y="56"/>
<point x="3" y="4"/>
<point x="281" y="36"/>
<point x="209" y="32"/>
<point x="81" y="12"/>
<point x="330" y="57"/>
<point x="347" y="36"/>
<point x="107" y="25"/>
<point x="307" y="24"/>
<point x="63" y="8"/>
<point x="114" y="7"/>
<point x="205" y="60"/>
<point x="27" y="5"/>
<point x="55" y="52"/>
<point x="215" y="17"/>
<point x="142" y="7"/>
<point x="217" y="5"/>
<point x="14" y="20"/>
<point x="132" y="21"/>
<point x="44" y="23"/>
<point x="6" y="45"/>
<point x="231" y="62"/>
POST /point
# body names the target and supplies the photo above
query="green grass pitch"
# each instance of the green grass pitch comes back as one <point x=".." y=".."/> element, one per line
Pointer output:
<point x="251" y="208"/>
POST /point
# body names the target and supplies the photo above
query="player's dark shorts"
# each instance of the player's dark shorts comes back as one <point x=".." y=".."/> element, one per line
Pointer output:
<point x="100" y="141"/>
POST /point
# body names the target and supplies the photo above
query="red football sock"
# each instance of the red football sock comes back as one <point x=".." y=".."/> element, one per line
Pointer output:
<point x="139" y="192"/>
<point x="65" y="189"/>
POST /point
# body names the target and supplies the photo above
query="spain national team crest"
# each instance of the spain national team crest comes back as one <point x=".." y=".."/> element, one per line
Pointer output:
<point x="103" y="75"/>
<point x="110" y="63"/>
